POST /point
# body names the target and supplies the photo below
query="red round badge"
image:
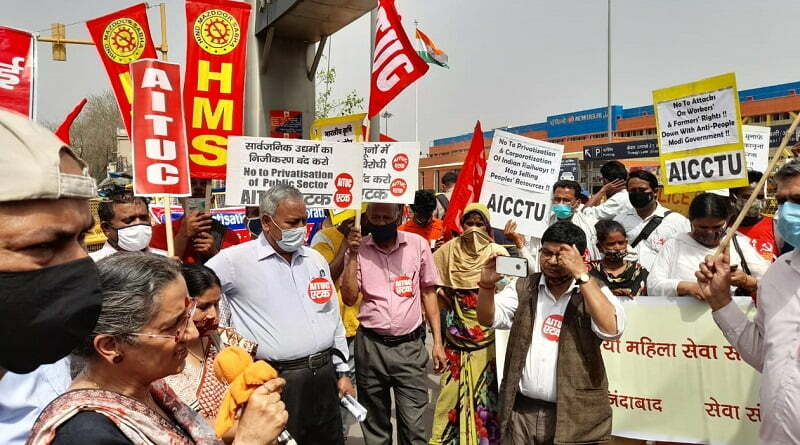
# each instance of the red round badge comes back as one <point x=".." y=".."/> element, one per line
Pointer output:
<point x="398" y="187"/>
<point x="343" y="182"/>
<point x="320" y="290"/>
<point x="342" y="199"/>
<point x="551" y="328"/>
<point x="403" y="287"/>
<point x="400" y="162"/>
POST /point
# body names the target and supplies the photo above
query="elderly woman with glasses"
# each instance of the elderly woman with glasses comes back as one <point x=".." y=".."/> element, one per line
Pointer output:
<point x="141" y="337"/>
<point x="197" y="385"/>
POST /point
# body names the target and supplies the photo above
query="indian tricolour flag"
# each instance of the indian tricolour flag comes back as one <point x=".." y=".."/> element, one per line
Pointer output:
<point x="430" y="52"/>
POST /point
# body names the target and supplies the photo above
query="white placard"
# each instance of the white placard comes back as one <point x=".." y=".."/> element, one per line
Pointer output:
<point x="703" y="120"/>
<point x="391" y="172"/>
<point x="523" y="163"/>
<point x="327" y="173"/>
<point x="756" y="146"/>
<point x="704" y="168"/>
<point x="520" y="174"/>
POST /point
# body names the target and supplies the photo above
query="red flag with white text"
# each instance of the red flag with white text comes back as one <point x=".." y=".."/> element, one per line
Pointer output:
<point x="158" y="138"/>
<point x="120" y="38"/>
<point x="396" y="64"/>
<point x="17" y="57"/>
<point x="468" y="186"/>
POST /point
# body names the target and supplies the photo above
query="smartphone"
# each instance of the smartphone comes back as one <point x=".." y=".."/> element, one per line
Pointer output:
<point x="196" y="205"/>
<point x="513" y="266"/>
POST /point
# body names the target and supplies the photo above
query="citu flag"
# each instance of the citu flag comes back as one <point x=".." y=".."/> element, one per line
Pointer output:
<point x="122" y="37"/>
<point x="468" y="186"/>
<point x="395" y="64"/>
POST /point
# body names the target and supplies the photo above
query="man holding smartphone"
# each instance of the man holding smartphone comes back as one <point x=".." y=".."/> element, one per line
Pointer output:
<point x="554" y="373"/>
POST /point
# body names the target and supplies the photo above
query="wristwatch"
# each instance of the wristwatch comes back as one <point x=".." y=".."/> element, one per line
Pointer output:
<point x="582" y="278"/>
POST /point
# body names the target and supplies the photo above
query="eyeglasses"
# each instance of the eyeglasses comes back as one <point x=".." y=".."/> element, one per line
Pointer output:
<point x="182" y="326"/>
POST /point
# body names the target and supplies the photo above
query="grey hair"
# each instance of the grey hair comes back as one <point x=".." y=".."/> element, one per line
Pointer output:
<point x="275" y="196"/>
<point x="789" y="170"/>
<point x="131" y="284"/>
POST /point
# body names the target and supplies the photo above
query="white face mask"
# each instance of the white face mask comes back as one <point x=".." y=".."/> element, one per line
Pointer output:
<point x="291" y="239"/>
<point x="134" y="238"/>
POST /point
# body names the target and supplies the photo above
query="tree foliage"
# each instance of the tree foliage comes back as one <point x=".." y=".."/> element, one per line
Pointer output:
<point x="93" y="135"/>
<point x="327" y="105"/>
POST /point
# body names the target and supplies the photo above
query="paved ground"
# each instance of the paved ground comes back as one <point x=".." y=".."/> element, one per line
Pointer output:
<point x="354" y="436"/>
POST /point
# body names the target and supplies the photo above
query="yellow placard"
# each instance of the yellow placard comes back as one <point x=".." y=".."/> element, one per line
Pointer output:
<point x="339" y="129"/>
<point x="674" y="377"/>
<point x="699" y="131"/>
<point x="338" y="217"/>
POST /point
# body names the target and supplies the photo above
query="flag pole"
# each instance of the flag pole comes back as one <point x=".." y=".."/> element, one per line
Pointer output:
<point x="416" y="95"/>
<point x="163" y="48"/>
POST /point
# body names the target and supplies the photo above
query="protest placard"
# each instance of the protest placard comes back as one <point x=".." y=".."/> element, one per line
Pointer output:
<point x="756" y="146"/>
<point x="17" y="71"/>
<point x="699" y="133"/>
<point x="158" y="136"/>
<point x="391" y="172"/>
<point x="339" y="129"/>
<point x="520" y="174"/>
<point x="709" y="395"/>
<point x="325" y="172"/>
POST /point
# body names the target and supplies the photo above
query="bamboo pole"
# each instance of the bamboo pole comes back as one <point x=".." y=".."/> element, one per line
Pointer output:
<point x="772" y="163"/>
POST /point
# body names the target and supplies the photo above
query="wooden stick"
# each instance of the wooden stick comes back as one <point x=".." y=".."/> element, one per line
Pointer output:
<point x="164" y="48"/>
<point x="168" y="225"/>
<point x="772" y="163"/>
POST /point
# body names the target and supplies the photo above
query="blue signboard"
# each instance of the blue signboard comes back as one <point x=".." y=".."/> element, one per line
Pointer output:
<point x="647" y="148"/>
<point x="583" y="122"/>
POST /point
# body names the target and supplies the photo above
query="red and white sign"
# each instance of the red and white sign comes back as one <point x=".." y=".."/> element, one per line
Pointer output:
<point x="391" y="172"/>
<point x="343" y="197"/>
<point x="286" y="124"/>
<point x="396" y="64"/>
<point x="320" y="290"/>
<point x="551" y="328"/>
<point x="403" y="286"/>
<point x="17" y="68"/>
<point x="158" y="137"/>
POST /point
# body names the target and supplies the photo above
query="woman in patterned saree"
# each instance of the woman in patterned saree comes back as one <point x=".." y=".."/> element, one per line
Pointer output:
<point x="196" y="385"/>
<point x="141" y="336"/>
<point x="466" y="412"/>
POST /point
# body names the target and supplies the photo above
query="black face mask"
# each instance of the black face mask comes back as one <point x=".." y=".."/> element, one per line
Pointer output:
<point x="383" y="233"/>
<point x="640" y="200"/>
<point x="615" y="256"/>
<point x="46" y="313"/>
<point x="254" y="226"/>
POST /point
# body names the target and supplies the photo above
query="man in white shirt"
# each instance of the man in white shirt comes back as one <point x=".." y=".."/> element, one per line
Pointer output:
<point x="647" y="223"/>
<point x="769" y="343"/>
<point x="126" y="223"/>
<point x="554" y="373"/>
<point x="566" y="207"/>
<point x="443" y="199"/>
<point x="614" y="174"/>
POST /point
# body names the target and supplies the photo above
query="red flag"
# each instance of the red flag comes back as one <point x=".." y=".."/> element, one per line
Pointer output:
<point x="63" y="129"/>
<point x="396" y="64"/>
<point x="213" y="90"/>
<point x="468" y="186"/>
<point x="158" y="135"/>
<point x="122" y="37"/>
<point x="17" y="54"/>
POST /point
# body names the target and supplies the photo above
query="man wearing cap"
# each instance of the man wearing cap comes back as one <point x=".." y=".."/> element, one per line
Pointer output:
<point x="423" y="222"/>
<point x="49" y="288"/>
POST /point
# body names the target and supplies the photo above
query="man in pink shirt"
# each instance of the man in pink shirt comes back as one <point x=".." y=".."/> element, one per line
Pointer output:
<point x="395" y="273"/>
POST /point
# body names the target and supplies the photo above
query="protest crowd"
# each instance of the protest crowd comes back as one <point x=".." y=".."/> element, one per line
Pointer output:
<point x="517" y="294"/>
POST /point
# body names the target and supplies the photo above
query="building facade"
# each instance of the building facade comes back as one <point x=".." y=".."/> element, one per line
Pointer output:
<point x="584" y="134"/>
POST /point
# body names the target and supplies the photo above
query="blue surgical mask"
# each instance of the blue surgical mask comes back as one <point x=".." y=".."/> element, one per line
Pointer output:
<point x="788" y="223"/>
<point x="562" y="211"/>
<point x="291" y="239"/>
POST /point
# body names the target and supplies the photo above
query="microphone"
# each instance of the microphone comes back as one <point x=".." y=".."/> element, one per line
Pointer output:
<point x="229" y="365"/>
